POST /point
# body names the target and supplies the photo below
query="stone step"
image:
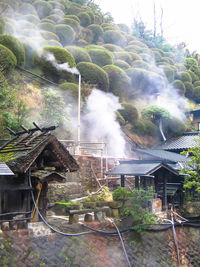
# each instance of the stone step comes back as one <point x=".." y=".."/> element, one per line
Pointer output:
<point x="38" y="229"/>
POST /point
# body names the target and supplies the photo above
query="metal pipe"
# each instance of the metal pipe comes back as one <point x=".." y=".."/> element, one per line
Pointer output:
<point x="79" y="111"/>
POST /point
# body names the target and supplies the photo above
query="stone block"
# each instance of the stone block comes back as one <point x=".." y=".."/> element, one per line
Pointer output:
<point x="5" y="226"/>
<point x="13" y="225"/>
<point x="99" y="216"/>
<point x="74" y="218"/>
<point x="115" y="213"/>
<point x="88" y="217"/>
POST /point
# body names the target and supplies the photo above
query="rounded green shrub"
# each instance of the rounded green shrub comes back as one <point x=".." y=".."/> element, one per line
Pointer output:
<point x="81" y="43"/>
<point x="196" y="96"/>
<point x="32" y="18"/>
<point x="189" y="89"/>
<point x="91" y="15"/>
<point x="54" y="17"/>
<point x="114" y="37"/>
<point x="120" y="119"/>
<point x="157" y="56"/>
<point x="193" y="76"/>
<point x="173" y="127"/>
<point x="137" y="43"/>
<point x="134" y="56"/>
<point x="65" y="33"/>
<point x="180" y="67"/>
<point x="123" y="27"/>
<point x="27" y="9"/>
<point x="43" y="8"/>
<point x="179" y="85"/>
<point x="74" y="17"/>
<point x="47" y="27"/>
<point x="121" y="64"/>
<point x="169" y="73"/>
<point x="71" y="22"/>
<point x="57" y="5"/>
<point x="79" y="54"/>
<point x="141" y="64"/>
<point x="184" y="76"/>
<point x="144" y="127"/>
<point x="53" y="43"/>
<point x="85" y="19"/>
<point x="101" y="57"/>
<point x="119" y="81"/>
<point x="129" y="112"/>
<point x="93" y="74"/>
<point x="136" y="49"/>
<point x="50" y="64"/>
<point x="49" y="35"/>
<point x="93" y="46"/>
<point x="15" y="46"/>
<point x="197" y="83"/>
<point x="1" y="28"/>
<point x="57" y="12"/>
<point x="113" y="48"/>
<point x="87" y="35"/>
<point x="123" y="56"/>
<point x="191" y="64"/>
<point x="8" y="60"/>
<point x="70" y="88"/>
<point x="97" y="32"/>
<point x="73" y="10"/>
<point x="8" y="28"/>
<point x="48" y="21"/>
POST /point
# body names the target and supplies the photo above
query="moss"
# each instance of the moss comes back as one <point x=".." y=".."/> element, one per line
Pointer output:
<point x="43" y="8"/>
<point x="62" y="56"/>
<point x="97" y="32"/>
<point x="123" y="56"/>
<point x="79" y="54"/>
<point x="65" y="33"/>
<point x="179" y="85"/>
<point x="100" y="57"/>
<point x="129" y="112"/>
<point x="121" y="64"/>
<point x="47" y="27"/>
<point x="6" y="157"/>
<point x="85" y="19"/>
<point x="114" y="37"/>
<point x="8" y="60"/>
<point x="93" y="74"/>
<point x="71" y="22"/>
<point x="15" y="46"/>
<point x="119" y="81"/>
<point x="49" y="35"/>
<point x="113" y="48"/>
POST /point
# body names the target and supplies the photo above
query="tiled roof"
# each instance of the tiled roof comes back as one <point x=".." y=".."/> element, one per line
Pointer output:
<point x="163" y="155"/>
<point x="5" y="170"/>
<point x="184" y="142"/>
<point x="140" y="168"/>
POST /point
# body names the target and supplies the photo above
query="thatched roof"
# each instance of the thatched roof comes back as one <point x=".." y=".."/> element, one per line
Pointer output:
<point x="22" y="151"/>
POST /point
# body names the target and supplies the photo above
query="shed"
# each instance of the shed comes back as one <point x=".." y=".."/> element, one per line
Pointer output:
<point x="38" y="153"/>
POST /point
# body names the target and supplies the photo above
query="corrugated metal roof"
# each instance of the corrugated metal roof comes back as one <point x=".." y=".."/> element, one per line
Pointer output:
<point x="164" y="155"/>
<point x="5" y="170"/>
<point x="184" y="142"/>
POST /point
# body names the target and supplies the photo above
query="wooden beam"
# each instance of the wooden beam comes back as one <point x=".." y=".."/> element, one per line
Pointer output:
<point x="122" y="180"/>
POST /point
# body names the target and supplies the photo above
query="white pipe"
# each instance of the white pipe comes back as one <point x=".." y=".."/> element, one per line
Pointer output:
<point x="79" y="111"/>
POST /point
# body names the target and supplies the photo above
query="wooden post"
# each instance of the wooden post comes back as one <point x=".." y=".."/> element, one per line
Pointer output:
<point x="137" y="182"/>
<point x="122" y="181"/>
<point x="165" y="193"/>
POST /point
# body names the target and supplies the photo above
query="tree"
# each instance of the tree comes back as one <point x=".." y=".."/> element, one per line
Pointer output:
<point x="155" y="113"/>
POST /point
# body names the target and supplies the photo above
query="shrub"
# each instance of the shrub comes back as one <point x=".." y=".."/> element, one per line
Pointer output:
<point x="93" y="74"/>
<point x="71" y="22"/>
<point x="85" y="19"/>
<point x="174" y="127"/>
<point x="8" y="60"/>
<point x="49" y="35"/>
<point x="47" y="27"/>
<point x="48" y="67"/>
<point x="73" y="10"/>
<point x="81" y="43"/>
<point x="129" y="113"/>
<point x="53" y="43"/>
<point x="120" y="119"/>
<point x="191" y="64"/>
<point x="27" y="9"/>
<point x="71" y="88"/>
<point x="197" y="83"/>
<point x="189" y="89"/>
<point x="144" y="127"/>
<point x="65" y="33"/>
<point x="184" y="76"/>
<point x="79" y="54"/>
<point x="87" y="35"/>
<point x="43" y="8"/>
<point x="55" y="18"/>
<point x="121" y="194"/>
<point x="57" y="5"/>
<point x="119" y="81"/>
<point x="141" y="64"/>
<point x="113" y="48"/>
<point x="15" y="46"/>
<point x="180" y="67"/>
<point x="157" y="56"/>
<point x="114" y="37"/>
<point x="134" y="56"/>
<point x="136" y="49"/>
<point x="155" y="112"/>
<point x="97" y="32"/>
<point x="197" y="94"/>
<point x="123" y="27"/>
<point x="121" y="64"/>
<point x="137" y="43"/>
<point x="57" y="12"/>
<point x="101" y="57"/>
<point x="179" y="85"/>
<point x="48" y="21"/>
<point x="8" y="28"/>
<point x="1" y="28"/>
<point x="74" y="17"/>
<point x="32" y="18"/>
<point x="193" y="76"/>
<point x="169" y="73"/>
<point x="123" y="56"/>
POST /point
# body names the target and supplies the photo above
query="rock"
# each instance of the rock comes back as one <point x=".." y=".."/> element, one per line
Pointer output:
<point x="88" y="217"/>
<point x="99" y="216"/>
<point x="115" y="213"/>
<point x="73" y="218"/>
<point x="5" y="226"/>
<point x="13" y="225"/>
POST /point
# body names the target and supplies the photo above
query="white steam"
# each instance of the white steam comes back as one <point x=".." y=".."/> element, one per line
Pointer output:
<point x="102" y="124"/>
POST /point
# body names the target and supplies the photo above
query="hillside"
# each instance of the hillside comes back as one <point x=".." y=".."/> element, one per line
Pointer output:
<point x="58" y="40"/>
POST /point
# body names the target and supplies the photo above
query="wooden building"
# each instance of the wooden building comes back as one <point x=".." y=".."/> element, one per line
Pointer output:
<point x="38" y="154"/>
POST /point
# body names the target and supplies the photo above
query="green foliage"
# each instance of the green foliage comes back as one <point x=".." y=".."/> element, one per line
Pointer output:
<point x="32" y="18"/>
<point x="197" y="83"/>
<point x="189" y="89"/>
<point x="120" y="119"/>
<point x="121" y="64"/>
<point x="57" y="12"/>
<point x="71" y="88"/>
<point x="129" y="113"/>
<point x="93" y="74"/>
<point x="85" y="19"/>
<point x="123" y="56"/>
<point x="196" y="96"/>
<point x="119" y="81"/>
<point x="74" y="17"/>
<point x="141" y="64"/>
<point x="47" y="26"/>
<point x="112" y="47"/>
<point x="192" y="179"/>
<point x="8" y="61"/>
<point x="179" y="85"/>
<point x="97" y="32"/>
<point x="65" y="33"/>
<point x="173" y="127"/>
<point x="53" y="43"/>
<point x="15" y="46"/>
<point x="79" y="54"/>
<point x="193" y="76"/>
<point x="169" y="73"/>
<point x="121" y="194"/>
<point x="144" y="127"/>
<point x="114" y="37"/>
<point x="100" y="57"/>
<point x="49" y="35"/>
<point x="71" y="22"/>
<point x="155" y="112"/>
<point x="48" y="66"/>
<point x="55" y="18"/>
<point x="123" y="27"/>
<point x="57" y="5"/>
<point x="184" y="76"/>
<point x="43" y="8"/>
<point x="27" y="9"/>
<point x="191" y="64"/>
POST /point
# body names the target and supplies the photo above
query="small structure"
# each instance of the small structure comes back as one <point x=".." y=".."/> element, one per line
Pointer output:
<point x="194" y="116"/>
<point x="159" y="169"/>
<point x="38" y="154"/>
